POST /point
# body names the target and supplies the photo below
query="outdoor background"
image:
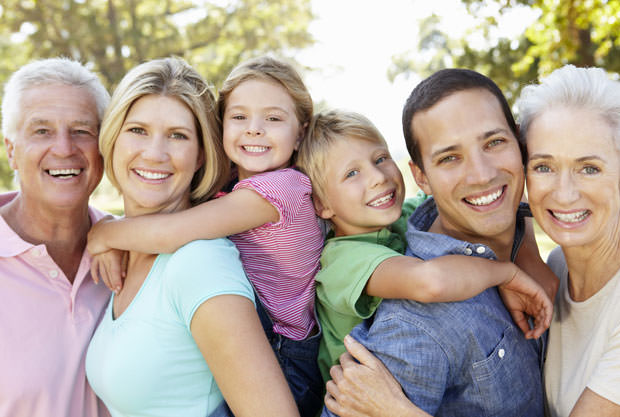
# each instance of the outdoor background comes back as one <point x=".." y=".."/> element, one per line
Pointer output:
<point x="362" y="55"/>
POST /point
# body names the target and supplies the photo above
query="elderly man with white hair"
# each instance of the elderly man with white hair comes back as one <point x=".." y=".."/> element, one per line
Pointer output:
<point x="49" y="306"/>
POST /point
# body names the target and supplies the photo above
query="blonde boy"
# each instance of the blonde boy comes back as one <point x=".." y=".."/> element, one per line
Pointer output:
<point x="360" y="190"/>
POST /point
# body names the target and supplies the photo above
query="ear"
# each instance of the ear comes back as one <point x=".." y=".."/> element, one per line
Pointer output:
<point x="10" y="150"/>
<point x="300" y="135"/>
<point x="322" y="210"/>
<point x="420" y="178"/>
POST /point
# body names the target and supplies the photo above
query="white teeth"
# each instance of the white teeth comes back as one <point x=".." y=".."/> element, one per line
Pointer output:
<point x="574" y="217"/>
<point x="65" y="172"/>
<point x="255" y="148"/>
<point x="151" y="175"/>
<point x="381" y="200"/>
<point x="487" y="199"/>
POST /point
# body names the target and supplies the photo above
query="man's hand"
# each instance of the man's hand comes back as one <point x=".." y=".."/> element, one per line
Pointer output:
<point x="365" y="388"/>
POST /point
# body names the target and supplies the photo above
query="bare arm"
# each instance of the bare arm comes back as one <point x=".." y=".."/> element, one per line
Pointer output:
<point x="227" y="330"/>
<point x="592" y="404"/>
<point x="528" y="258"/>
<point x="366" y="388"/>
<point x="456" y="277"/>
<point x="233" y="213"/>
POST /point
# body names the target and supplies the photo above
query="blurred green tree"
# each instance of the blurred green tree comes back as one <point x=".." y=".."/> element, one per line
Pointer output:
<point x="112" y="36"/>
<point x="580" y="32"/>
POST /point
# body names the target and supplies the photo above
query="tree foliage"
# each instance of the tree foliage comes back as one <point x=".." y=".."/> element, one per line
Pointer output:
<point x="112" y="36"/>
<point x="580" y="32"/>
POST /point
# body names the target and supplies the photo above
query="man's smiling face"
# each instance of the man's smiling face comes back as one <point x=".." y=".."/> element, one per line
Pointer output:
<point x="472" y="165"/>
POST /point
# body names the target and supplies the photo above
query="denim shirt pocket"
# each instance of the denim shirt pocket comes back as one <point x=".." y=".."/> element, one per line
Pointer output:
<point x="509" y="379"/>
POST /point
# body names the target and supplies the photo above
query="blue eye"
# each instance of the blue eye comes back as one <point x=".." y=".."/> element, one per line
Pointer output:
<point x="380" y="160"/>
<point x="351" y="173"/>
<point x="137" y="130"/>
<point x="495" y="142"/>
<point x="590" y="170"/>
<point x="541" y="168"/>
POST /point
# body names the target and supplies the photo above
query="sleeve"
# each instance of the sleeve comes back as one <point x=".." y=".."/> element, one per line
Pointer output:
<point x="605" y="379"/>
<point x="413" y="357"/>
<point x="203" y="269"/>
<point x="286" y="189"/>
<point x="346" y="267"/>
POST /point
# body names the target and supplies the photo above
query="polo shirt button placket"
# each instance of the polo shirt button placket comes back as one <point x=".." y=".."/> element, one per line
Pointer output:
<point x="468" y="251"/>
<point x="53" y="273"/>
<point x="501" y="353"/>
<point x="480" y="250"/>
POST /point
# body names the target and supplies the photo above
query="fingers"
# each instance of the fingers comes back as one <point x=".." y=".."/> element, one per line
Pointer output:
<point x="359" y="352"/>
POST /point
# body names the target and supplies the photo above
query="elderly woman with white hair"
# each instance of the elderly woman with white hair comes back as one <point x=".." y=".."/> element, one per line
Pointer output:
<point x="570" y="123"/>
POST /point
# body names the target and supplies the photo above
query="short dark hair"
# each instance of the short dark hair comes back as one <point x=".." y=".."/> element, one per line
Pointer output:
<point x="440" y="85"/>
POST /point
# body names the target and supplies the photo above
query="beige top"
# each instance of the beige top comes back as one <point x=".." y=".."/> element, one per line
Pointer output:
<point x="584" y="344"/>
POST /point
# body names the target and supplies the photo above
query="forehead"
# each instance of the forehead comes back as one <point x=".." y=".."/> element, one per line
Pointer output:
<point x="458" y="119"/>
<point x="263" y="93"/>
<point x="56" y="103"/>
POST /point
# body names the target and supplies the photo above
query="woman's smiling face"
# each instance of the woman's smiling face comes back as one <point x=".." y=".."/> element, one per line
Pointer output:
<point x="156" y="155"/>
<point x="573" y="176"/>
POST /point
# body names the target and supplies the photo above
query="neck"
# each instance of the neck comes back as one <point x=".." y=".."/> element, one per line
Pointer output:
<point x="501" y="244"/>
<point x="591" y="267"/>
<point x="62" y="230"/>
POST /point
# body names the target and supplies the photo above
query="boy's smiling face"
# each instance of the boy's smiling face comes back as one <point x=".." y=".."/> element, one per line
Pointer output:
<point x="363" y="190"/>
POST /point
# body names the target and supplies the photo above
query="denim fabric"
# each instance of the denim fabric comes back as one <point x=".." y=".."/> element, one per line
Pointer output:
<point x="456" y="359"/>
<point x="298" y="360"/>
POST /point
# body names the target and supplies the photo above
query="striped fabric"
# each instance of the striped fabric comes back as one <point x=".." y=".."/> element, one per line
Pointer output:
<point x="281" y="258"/>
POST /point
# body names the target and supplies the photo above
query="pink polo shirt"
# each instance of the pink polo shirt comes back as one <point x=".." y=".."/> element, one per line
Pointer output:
<point x="45" y="326"/>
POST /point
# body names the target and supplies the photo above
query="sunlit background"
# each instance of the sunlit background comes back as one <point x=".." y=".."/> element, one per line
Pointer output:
<point x="362" y="55"/>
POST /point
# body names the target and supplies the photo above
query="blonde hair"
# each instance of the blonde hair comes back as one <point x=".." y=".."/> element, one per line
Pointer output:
<point x="327" y="129"/>
<point x="270" y="69"/>
<point x="170" y="77"/>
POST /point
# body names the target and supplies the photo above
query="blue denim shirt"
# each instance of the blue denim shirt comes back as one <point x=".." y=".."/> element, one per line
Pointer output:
<point x="463" y="358"/>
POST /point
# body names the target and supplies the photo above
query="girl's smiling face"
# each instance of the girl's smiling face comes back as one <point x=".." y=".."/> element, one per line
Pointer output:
<point x="573" y="176"/>
<point x="260" y="127"/>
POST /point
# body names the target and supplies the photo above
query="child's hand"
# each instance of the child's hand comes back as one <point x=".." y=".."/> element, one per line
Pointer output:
<point x="524" y="297"/>
<point x="111" y="268"/>
<point x="96" y="243"/>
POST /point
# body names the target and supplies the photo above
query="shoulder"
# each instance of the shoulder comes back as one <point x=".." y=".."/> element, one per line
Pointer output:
<point x="205" y="252"/>
<point x="557" y="262"/>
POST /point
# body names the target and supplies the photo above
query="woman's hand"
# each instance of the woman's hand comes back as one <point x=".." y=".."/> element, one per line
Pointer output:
<point x="524" y="297"/>
<point x="111" y="268"/>
<point x="365" y="388"/>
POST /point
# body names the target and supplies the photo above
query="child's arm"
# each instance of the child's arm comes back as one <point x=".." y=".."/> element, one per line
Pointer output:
<point x="236" y="212"/>
<point x="457" y="277"/>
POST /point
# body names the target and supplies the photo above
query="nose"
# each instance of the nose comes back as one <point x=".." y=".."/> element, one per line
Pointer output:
<point x="376" y="176"/>
<point x="480" y="168"/>
<point x="63" y="145"/>
<point x="255" y="127"/>
<point x="565" y="190"/>
<point x="156" y="149"/>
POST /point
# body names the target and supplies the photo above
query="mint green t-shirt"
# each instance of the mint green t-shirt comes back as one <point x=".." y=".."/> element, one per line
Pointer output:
<point x="347" y="263"/>
<point x="146" y="362"/>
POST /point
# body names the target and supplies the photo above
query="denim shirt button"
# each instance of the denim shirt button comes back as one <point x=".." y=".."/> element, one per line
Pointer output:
<point x="468" y="251"/>
<point x="501" y="353"/>
<point x="480" y="250"/>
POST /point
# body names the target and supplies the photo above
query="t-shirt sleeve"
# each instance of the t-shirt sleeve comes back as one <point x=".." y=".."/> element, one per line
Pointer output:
<point x="286" y="189"/>
<point x="411" y="355"/>
<point x="346" y="267"/>
<point x="605" y="380"/>
<point x="203" y="269"/>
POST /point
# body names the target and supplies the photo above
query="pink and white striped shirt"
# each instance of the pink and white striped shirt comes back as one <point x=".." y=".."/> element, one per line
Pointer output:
<point x="281" y="259"/>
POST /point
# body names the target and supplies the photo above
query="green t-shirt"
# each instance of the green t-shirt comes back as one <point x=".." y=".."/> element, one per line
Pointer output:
<point x="347" y="262"/>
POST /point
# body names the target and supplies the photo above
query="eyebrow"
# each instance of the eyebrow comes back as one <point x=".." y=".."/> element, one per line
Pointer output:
<point x="269" y="108"/>
<point x="72" y="122"/>
<point x="582" y="159"/>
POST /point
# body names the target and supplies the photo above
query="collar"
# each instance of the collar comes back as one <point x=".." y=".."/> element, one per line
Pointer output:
<point x="426" y="245"/>
<point x="11" y="244"/>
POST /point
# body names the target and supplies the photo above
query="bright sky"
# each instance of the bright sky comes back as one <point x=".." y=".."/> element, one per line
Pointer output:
<point x="356" y="40"/>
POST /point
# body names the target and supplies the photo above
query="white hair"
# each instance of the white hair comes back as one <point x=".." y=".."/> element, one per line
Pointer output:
<point x="580" y="88"/>
<point x="48" y="71"/>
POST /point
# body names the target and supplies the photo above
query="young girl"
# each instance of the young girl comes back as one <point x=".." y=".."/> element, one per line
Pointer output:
<point x="264" y="108"/>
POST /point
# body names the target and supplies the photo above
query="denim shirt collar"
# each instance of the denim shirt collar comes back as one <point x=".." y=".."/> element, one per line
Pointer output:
<point x="426" y="245"/>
